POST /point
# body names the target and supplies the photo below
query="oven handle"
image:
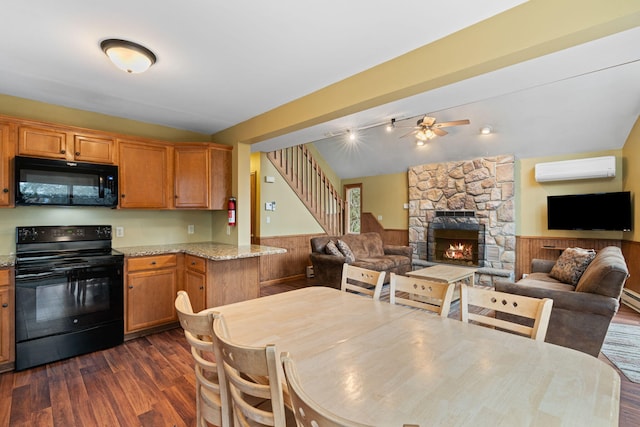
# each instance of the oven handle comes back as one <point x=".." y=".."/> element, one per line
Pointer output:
<point x="72" y="267"/>
<point x="25" y="276"/>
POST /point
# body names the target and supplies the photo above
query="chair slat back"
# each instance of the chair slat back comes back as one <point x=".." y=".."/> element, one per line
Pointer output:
<point x="362" y="280"/>
<point x="532" y="308"/>
<point x="197" y="330"/>
<point x="307" y="412"/>
<point x="421" y="293"/>
<point x="251" y="375"/>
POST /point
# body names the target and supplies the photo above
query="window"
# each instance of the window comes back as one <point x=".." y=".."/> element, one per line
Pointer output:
<point x="353" y="198"/>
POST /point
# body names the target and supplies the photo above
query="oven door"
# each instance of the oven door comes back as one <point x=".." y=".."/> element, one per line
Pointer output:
<point x="66" y="299"/>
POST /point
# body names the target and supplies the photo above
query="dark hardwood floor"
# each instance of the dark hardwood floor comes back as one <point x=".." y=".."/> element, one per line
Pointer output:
<point x="149" y="381"/>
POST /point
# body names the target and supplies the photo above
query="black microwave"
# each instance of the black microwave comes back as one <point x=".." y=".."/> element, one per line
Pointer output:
<point x="63" y="183"/>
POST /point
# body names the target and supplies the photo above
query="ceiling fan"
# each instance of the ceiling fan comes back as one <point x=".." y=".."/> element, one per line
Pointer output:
<point x="427" y="128"/>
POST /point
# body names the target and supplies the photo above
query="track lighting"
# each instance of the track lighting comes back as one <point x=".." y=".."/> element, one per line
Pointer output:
<point x="391" y="125"/>
<point x="486" y="130"/>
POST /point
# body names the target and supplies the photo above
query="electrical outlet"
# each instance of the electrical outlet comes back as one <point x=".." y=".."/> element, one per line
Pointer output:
<point x="119" y="231"/>
<point x="191" y="229"/>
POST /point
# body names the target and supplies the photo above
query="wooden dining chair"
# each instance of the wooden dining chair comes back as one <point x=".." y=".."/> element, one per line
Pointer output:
<point x="533" y="308"/>
<point x="421" y="293"/>
<point x="252" y="379"/>
<point x="211" y="407"/>
<point x="362" y="280"/>
<point x="307" y="412"/>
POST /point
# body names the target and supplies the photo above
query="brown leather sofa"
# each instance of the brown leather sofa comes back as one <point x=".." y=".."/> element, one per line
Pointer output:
<point x="369" y="252"/>
<point x="580" y="315"/>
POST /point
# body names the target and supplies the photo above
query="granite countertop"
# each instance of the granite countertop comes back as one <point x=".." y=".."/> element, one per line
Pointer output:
<point x="7" y="261"/>
<point x="209" y="250"/>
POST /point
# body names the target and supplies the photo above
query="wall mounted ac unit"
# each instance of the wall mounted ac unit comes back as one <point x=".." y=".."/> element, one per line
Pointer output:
<point x="595" y="167"/>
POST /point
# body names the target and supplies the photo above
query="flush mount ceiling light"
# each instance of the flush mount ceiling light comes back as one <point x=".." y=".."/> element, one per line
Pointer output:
<point x="128" y="56"/>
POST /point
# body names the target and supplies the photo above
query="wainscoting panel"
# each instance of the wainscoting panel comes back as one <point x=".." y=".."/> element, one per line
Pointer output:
<point x="631" y="252"/>
<point x="528" y="248"/>
<point x="292" y="265"/>
<point x="396" y="237"/>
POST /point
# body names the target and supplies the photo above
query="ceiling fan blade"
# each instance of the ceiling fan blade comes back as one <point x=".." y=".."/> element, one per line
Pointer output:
<point x="439" y="132"/>
<point x="428" y="121"/>
<point x="453" y="123"/>
<point x="407" y="134"/>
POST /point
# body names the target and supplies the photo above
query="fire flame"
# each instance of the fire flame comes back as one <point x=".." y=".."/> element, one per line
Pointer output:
<point x="459" y="251"/>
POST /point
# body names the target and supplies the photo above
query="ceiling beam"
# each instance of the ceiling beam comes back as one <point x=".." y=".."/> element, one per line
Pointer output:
<point x="533" y="29"/>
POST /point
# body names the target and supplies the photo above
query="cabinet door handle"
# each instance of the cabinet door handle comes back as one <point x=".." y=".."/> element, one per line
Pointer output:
<point x="153" y="263"/>
<point x="193" y="263"/>
<point x="130" y="287"/>
<point x="5" y="305"/>
<point x="63" y="151"/>
<point x="77" y="153"/>
<point x="201" y="287"/>
<point x="122" y="195"/>
<point x="5" y="190"/>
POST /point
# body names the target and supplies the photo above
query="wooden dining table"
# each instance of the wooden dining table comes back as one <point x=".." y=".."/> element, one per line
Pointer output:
<point x="389" y="365"/>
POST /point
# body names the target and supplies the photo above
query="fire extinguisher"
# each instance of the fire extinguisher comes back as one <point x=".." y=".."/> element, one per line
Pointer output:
<point x="232" y="211"/>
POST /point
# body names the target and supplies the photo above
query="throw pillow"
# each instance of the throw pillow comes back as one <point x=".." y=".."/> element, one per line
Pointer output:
<point x="332" y="249"/>
<point x="346" y="251"/>
<point x="571" y="264"/>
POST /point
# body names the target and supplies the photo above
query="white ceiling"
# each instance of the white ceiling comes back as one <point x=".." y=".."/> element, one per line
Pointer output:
<point x="221" y="63"/>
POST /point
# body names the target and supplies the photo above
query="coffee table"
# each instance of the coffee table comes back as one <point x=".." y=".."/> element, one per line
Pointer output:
<point x="448" y="274"/>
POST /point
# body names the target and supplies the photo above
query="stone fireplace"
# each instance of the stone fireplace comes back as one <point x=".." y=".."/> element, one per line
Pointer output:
<point x="464" y="203"/>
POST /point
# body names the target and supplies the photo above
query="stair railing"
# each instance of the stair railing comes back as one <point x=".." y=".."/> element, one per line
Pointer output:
<point x="305" y="177"/>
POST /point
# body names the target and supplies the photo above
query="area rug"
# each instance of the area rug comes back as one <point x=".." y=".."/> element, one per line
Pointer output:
<point x="622" y="347"/>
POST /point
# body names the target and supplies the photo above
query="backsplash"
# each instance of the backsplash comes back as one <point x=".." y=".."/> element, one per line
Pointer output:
<point x="141" y="227"/>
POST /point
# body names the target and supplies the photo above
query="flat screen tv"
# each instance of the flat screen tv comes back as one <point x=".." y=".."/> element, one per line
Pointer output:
<point x="599" y="211"/>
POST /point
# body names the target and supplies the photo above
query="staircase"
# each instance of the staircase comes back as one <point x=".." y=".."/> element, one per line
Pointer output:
<point x="305" y="177"/>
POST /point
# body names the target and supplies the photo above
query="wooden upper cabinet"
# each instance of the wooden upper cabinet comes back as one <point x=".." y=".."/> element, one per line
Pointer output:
<point x="220" y="176"/>
<point x="6" y="153"/>
<point x="95" y="149"/>
<point x="145" y="175"/>
<point x="42" y="142"/>
<point x="192" y="182"/>
<point x="58" y="143"/>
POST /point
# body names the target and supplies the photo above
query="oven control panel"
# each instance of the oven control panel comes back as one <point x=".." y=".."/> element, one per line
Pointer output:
<point x="70" y="233"/>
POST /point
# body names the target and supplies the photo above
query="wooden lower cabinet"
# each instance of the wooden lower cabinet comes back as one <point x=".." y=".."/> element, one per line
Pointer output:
<point x="195" y="281"/>
<point x="7" y="337"/>
<point x="150" y="290"/>
<point x="232" y="281"/>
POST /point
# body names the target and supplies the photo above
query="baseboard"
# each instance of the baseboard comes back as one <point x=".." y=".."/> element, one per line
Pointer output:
<point x="631" y="299"/>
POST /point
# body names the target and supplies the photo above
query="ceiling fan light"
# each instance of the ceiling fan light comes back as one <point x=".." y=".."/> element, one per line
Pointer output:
<point x="422" y="136"/>
<point x="419" y="143"/>
<point x="128" y="56"/>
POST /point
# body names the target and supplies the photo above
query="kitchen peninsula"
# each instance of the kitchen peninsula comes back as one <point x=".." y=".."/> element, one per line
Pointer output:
<point x="213" y="274"/>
